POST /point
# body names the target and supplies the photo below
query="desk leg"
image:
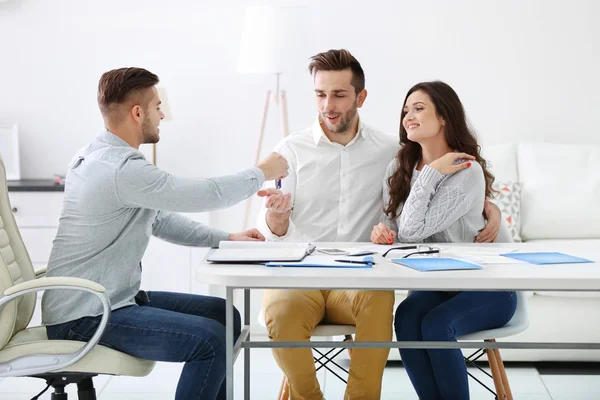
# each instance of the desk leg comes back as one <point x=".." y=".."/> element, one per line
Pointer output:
<point x="229" y="341"/>
<point x="247" y="349"/>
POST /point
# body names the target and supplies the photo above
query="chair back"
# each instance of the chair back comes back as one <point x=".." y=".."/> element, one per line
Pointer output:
<point x="15" y="267"/>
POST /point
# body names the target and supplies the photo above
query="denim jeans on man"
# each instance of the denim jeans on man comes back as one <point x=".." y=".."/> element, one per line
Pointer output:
<point x="438" y="374"/>
<point x="172" y="327"/>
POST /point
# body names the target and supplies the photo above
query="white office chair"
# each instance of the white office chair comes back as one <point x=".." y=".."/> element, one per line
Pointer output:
<point x="27" y="351"/>
<point x="327" y="332"/>
<point x="518" y="323"/>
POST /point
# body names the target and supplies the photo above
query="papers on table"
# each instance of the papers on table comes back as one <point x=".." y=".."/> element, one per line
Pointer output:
<point x="477" y="254"/>
<point x="481" y="254"/>
<point x="484" y="259"/>
<point x="382" y="248"/>
<point x="480" y="250"/>
<point x="320" y="262"/>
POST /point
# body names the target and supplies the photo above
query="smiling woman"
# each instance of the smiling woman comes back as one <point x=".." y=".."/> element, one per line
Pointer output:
<point x="435" y="192"/>
<point x="432" y="113"/>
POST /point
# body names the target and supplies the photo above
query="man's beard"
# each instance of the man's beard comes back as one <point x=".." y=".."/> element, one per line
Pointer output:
<point x="149" y="133"/>
<point x="345" y="122"/>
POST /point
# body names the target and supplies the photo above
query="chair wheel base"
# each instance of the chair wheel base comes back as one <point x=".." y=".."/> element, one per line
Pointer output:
<point x="58" y="396"/>
<point x="58" y="382"/>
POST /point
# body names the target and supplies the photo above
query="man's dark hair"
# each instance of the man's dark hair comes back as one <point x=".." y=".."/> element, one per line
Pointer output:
<point x="339" y="60"/>
<point x="124" y="85"/>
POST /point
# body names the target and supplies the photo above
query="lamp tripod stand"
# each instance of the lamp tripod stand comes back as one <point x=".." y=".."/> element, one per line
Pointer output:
<point x="279" y="98"/>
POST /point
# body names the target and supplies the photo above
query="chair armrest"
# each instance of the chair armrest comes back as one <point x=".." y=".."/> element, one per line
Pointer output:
<point x="56" y="281"/>
<point x="36" y="364"/>
<point x="40" y="272"/>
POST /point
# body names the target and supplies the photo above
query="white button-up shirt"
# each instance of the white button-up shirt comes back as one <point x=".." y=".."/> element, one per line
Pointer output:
<point x="336" y="190"/>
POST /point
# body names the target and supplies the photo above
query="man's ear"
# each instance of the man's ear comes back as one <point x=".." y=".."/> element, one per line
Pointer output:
<point x="137" y="113"/>
<point x="361" y="97"/>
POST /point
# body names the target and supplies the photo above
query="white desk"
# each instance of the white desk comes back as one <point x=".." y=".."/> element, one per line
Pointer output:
<point x="386" y="275"/>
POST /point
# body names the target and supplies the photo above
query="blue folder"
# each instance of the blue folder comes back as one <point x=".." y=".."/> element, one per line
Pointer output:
<point x="436" y="264"/>
<point x="542" y="258"/>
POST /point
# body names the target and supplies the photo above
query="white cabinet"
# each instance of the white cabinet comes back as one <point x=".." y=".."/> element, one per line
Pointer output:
<point x="37" y="215"/>
<point x="36" y="209"/>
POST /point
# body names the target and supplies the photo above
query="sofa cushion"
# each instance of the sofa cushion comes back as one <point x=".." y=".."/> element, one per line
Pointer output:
<point x="561" y="191"/>
<point x="502" y="161"/>
<point x="508" y="199"/>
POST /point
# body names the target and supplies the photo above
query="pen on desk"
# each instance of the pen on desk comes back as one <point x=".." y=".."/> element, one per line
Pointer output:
<point x="356" y="262"/>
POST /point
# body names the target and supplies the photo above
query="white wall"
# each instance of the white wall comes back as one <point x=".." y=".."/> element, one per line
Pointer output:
<point x="526" y="70"/>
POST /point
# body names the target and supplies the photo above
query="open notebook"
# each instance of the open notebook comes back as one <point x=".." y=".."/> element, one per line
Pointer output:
<point x="241" y="252"/>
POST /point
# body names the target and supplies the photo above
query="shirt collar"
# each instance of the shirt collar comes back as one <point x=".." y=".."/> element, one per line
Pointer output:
<point x="319" y="135"/>
<point x="113" y="139"/>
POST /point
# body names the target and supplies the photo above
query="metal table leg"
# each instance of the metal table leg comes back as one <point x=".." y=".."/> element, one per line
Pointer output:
<point x="247" y="349"/>
<point x="229" y="341"/>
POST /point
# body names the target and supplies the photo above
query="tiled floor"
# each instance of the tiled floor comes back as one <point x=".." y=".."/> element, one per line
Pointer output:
<point x="555" y="383"/>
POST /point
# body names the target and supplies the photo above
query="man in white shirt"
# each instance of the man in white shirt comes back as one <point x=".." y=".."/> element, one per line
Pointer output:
<point x="334" y="189"/>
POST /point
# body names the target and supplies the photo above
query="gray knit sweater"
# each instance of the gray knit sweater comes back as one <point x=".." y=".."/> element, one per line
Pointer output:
<point x="440" y="208"/>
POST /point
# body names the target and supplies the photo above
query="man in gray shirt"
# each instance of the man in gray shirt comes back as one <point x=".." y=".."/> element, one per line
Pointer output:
<point x="114" y="201"/>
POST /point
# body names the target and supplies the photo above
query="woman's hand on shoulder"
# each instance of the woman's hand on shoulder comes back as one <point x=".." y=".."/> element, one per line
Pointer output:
<point x="447" y="164"/>
<point x="381" y="234"/>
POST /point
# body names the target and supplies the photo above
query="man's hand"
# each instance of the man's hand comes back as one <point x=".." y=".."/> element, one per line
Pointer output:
<point x="493" y="215"/>
<point x="277" y="202"/>
<point x="252" y="235"/>
<point x="274" y="166"/>
<point x="279" y="207"/>
<point x="381" y="234"/>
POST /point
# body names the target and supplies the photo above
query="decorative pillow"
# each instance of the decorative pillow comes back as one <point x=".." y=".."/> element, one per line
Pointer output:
<point x="508" y="200"/>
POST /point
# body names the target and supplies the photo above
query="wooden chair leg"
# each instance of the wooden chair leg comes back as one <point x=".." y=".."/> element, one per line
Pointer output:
<point x="284" y="390"/>
<point x="500" y="363"/>
<point x="500" y="392"/>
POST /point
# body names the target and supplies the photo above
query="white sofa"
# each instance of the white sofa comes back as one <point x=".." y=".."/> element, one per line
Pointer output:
<point x="560" y="202"/>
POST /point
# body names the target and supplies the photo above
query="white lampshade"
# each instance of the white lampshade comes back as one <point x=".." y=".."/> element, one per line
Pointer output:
<point x="269" y="36"/>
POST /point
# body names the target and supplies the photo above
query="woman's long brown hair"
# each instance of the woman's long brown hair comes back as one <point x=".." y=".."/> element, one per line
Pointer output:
<point x="458" y="135"/>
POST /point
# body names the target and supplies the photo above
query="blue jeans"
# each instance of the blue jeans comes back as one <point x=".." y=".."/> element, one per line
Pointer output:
<point x="172" y="327"/>
<point x="444" y="316"/>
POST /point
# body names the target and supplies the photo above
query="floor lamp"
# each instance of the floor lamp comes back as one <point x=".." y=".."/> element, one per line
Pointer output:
<point x="260" y="51"/>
